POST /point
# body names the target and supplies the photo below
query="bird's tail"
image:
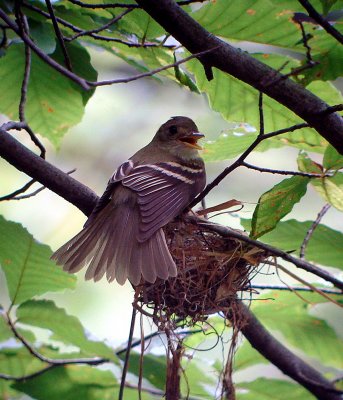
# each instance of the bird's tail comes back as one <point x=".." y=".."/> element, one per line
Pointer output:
<point x="108" y="244"/>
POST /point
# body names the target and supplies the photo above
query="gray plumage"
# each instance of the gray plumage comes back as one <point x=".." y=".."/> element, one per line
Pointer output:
<point x="123" y="237"/>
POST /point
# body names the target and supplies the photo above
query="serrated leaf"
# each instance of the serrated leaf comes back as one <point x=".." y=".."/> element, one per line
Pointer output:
<point x="28" y="269"/>
<point x="66" y="328"/>
<point x="228" y="145"/>
<point x="289" y="314"/>
<point x="267" y="389"/>
<point x="47" y="96"/>
<point x="325" y="246"/>
<point x="276" y="203"/>
<point x="332" y="159"/>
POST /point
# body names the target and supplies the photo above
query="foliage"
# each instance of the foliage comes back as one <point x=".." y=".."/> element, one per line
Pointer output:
<point x="139" y="40"/>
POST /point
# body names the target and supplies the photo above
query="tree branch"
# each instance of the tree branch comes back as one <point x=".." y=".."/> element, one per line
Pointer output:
<point x="244" y="67"/>
<point x="47" y="174"/>
<point x="321" y="21"/>
<point x="284" y="359"/>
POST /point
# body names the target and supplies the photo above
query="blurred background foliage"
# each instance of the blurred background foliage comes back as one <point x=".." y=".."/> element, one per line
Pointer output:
<point x="65" y="317"/>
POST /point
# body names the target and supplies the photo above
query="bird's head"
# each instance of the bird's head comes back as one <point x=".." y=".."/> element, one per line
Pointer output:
<point x="180" y="136"/>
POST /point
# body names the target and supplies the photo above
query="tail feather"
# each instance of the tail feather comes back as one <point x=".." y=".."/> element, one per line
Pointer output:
<point x="109" y="245"/>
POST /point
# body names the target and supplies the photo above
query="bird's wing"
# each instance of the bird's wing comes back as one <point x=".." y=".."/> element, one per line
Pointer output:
<point x="117" y="177"/>
<point x="163" y="190"/>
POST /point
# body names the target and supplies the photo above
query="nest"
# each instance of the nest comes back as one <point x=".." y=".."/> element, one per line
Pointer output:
<point x="212" y="270"/>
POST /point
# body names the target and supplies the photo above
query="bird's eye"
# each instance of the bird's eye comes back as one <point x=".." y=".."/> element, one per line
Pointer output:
<point x="173" y="129"/>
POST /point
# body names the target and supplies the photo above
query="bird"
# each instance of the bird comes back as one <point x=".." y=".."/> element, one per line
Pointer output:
<point x="123" y="236"/>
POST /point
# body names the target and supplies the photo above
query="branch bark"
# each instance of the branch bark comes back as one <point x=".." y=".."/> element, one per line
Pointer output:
<point x="240" y="65"/>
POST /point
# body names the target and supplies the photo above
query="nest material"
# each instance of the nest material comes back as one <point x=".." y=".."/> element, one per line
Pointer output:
<point x="211" y="271"/>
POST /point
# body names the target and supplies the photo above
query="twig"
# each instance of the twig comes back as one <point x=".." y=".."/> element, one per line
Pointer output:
<point x="123" y="5"/>
<point x="59" y="35"/>
<point x="27" y="67"/>
<point x="23" y="189"/>
<point x="7" y="377"/>
<point x="36" y="354"/>
<point x="281" y="172"/>
<point x="150" y="73"/>
<point x="321" y="21"/>
<point x="228" y="232"/>
<point x="101" y="28"/>
<point x="312" y="287"/>
<point x="312" y="228"/>
<point x="241" y="159"/>
<point x="27" y="40"/>
<point x="293" y="288"/>
<point x="127" y="355"/>
<point x="260" y="112"/>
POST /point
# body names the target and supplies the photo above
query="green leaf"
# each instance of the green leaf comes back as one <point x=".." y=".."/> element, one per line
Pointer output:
<point x="328" y="68"/>
<point x="70" y="383"/>
<point x="229" y="144"/>
<point x="46" y="110"/>
<point x="197" y="380"/>
<point x="224" y="91"/>
<point x="5" y="331"/>
<point x="81" y="64"/>
<point x="325" y="246"/>
<point x="154" y="368"/>
<point x="43" y="35"/>
<point x="276" y="203"/>
<point x="332" y="159"/>
<point x="28" y="269"/>
<point x="247" y="356"/>
<point x="66" y="328"/>
<point x="331" y="189"/>
<point x="267" y="389"/>
<point x="305" y="164"/>
<point x="19" y="362"/>
<point x="290" y="315"/>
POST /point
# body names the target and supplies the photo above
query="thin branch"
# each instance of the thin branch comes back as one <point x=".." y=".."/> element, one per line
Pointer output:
<point x="36" y="354"/>
<point x="101" y="28"/>
<point x="260" y="112"/>
<point x="27" y="40"/>
<point x="127" y="355"/>
<point x="241" y="159"/>
<point x="23" y="189"/>
<point x="150" y="73"/>
<point x="321" y="21"/>
<point x="293" y="288"/>
<point x="27" y="67"/>
<point x="228" y="232"/>
<point x="296" y="277"/>
<point x="123" y="5"/>
<point x="284" y="359"/>
<point x="281" y="172"/>
<point x="59" y="35"/>
<point x="7" y="377"/>
<point x="312" y="228"/>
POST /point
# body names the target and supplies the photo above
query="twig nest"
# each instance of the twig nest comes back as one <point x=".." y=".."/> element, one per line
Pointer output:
<point x="211" y="271"/>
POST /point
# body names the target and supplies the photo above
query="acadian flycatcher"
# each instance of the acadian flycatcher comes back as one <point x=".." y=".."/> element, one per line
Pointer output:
<point x="123" y="236"/>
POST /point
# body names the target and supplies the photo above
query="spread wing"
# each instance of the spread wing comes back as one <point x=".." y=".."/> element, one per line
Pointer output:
<point x="116" y="178"/>
<point x="163" y="190"/>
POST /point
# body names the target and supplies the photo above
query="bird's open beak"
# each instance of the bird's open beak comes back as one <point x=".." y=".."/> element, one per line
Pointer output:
<point x="192" y="140"/>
